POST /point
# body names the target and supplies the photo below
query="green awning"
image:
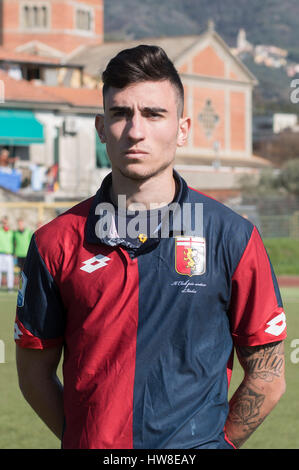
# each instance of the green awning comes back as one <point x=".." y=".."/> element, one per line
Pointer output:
<point x="20" y="127"/>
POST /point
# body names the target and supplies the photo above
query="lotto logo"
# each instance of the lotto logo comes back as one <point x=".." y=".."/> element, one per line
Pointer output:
<point x="95" y="263"/>
<point x="276" y="325"/>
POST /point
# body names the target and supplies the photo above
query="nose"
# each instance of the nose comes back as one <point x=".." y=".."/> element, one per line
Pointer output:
<point x="136" y="128"/>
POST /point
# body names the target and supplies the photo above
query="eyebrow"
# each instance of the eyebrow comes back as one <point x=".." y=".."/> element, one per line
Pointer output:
<point x="153" y="109"/>
<point x="119" y="108"/>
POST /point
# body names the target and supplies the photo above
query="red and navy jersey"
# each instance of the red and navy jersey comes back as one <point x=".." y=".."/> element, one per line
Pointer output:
<point x="148" y="332"/>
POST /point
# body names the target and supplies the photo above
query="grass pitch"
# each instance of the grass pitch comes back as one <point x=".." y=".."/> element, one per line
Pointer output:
<point x="20" y="427"/>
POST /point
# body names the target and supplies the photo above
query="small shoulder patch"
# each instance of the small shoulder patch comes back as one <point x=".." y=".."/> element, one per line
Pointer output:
<point x="22" y="289"/>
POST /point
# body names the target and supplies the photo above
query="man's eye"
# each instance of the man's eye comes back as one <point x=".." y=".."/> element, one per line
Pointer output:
<point x="119" y="113"/>
<point x="153" y="114"/>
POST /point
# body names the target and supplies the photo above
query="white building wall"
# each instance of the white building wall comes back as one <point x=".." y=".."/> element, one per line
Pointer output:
<point x="43" y="154"/>
<point x="283" y="121"/>
<point x="77" y="160"/>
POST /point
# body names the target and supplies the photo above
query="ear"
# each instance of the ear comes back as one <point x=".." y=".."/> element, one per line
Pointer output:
<point x="99" y="125"/>
<point x="183" y="133"/>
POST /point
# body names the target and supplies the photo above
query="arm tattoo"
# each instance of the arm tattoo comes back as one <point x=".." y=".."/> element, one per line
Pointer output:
<point x="246" y="410"/>
<point x="262" y="362"/>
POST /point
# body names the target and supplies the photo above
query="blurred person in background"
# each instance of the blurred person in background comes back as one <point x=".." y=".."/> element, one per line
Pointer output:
<point x="22" y="237"/>
<point x="4" y="157"/>
<point x="6" y="160"/>
<point x="6" y="253"/>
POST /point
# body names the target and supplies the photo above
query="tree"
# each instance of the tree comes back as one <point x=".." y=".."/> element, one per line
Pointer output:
<point x="289" y="176"/>
<point x="266" y="184"/>
<point x="280" y="149"/>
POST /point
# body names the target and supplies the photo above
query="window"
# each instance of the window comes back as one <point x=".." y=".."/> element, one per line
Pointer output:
<point x="208" y="118"/>
<point x="35" y="16"/>
<point x="33" y="73"/>
<point x="84" y="19"/>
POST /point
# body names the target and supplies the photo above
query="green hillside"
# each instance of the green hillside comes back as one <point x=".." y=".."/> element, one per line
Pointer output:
<point x="268" y="22"/>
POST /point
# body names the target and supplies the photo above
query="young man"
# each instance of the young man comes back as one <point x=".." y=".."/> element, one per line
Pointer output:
<point x="6" y="254"/>
<point x="22" y="237"/>
<point x="148" y="317"/>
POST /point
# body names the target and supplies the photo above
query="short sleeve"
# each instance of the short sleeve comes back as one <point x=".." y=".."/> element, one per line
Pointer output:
<point x="40" y="313"/>
<point x="256" y="311"/>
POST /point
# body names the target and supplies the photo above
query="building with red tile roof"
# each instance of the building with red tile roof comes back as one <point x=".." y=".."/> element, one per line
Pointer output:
<point x="51" y="58"/>
<point x="61" y="25"/>
<point x="19" y="93"/>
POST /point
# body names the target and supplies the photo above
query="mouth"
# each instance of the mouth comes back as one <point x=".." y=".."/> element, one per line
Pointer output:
<point x="135" y="153"/>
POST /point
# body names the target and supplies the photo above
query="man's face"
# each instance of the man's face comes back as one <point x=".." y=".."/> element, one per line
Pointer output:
<point x="21" y="224"/>
<point x="5" y="222"/>
<point x="141" y="128"/>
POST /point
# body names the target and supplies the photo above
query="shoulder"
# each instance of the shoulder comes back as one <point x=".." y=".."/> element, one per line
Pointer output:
<point x="222" y="216"/>
<point x="225" y="229"/>
<point x="65" y="230"/>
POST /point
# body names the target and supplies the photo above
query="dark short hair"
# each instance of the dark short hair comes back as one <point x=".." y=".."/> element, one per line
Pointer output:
<point x="140" y="64"/>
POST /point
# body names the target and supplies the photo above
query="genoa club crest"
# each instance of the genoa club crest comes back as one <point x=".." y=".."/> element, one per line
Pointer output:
<point x="190" y="255"/>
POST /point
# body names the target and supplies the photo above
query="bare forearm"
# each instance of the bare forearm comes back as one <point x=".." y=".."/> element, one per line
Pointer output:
<point x="249" y="406"/>
<point x="259" y="392"/>
<point x="45" y="396"/>
<point x="38" y="381"/>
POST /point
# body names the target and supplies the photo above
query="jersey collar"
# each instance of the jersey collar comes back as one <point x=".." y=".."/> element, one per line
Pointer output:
<point x="174" y="227"/>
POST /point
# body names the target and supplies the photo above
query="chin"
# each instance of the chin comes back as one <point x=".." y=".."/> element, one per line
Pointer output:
<point x="142" y="174"/>
<point x="136" y="175"/>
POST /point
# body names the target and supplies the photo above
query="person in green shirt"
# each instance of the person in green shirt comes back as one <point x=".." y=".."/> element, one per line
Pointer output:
<point x="6" y="253"/>
<point x="22" y="237"/>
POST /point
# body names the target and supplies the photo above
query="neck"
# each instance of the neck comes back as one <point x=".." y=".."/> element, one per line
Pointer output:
<point x="153" y="192"/>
